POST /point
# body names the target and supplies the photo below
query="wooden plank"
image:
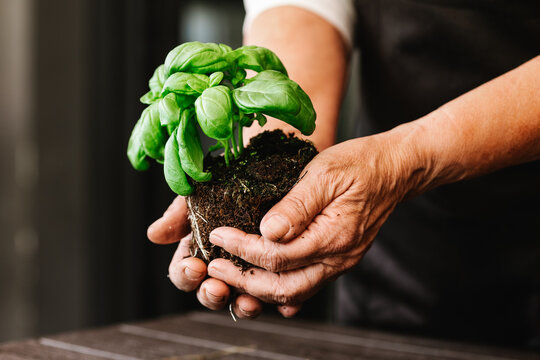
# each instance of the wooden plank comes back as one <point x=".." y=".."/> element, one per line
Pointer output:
<point x="34" y="350"/>
<point x="205" y="335"/>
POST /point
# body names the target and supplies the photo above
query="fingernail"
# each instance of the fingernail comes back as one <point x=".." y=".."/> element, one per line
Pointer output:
<point x="276" y="226"/>
<point x="215" y="238"/>
<point x="213" y="271"/>
<point x="214" y="298"/>
<point x="246" y="313"/>
<point x="192" y="274"/>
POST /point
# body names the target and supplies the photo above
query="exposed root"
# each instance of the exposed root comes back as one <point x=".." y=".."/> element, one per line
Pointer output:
<point x="246" y="189"/>
<point x="196" y="232"/>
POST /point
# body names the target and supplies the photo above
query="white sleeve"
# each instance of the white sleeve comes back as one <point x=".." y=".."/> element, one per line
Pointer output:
<point x="340" y="13"/>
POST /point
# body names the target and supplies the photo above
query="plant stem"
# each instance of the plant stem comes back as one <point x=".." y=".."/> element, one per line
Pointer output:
<point x="234" y="148"/>
<point x="240" y="139"/>
<point x="227" y="151"/>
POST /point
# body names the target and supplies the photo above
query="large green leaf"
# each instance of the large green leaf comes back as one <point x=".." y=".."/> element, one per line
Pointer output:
<point x="185" y="84"/>
<point x="135" y="151"/>
<point x="172" y="168"/>
<point x="190" y="149"/>
<point x="153" y="136"/>
<point x="274" y="94"/>
<point x="214" y="112"/>
<point x="196" y="57"/>
<point x="256" y="58"/>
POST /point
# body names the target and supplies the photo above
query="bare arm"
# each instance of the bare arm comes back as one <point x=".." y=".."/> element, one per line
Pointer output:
<point x="315" y="56"/>
<point x="491" y="127"/>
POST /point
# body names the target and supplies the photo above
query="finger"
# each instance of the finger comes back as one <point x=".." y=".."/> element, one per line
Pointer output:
<point x="269" y="255"/>
<point x="289" y="287"/>
<point x="172" y="226"/>
<point x="247" y="307"/>
<point x="289" y="310"/>
<point x="186" y="273"/>
<point x="213" y="294"/>
<point x="292" y="214"/>
<point x="183" y="249"/>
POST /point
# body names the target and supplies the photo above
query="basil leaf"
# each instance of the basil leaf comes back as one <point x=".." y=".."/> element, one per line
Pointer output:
<point x="196" y="57"/>
<point x="135" y="151"/>
<point x="169" y="111"/>
<point x="155" y="84"/>
<point x="172" y="168"/>
<point x="148" y="98"/>
<point x="214" y="112"/>
<point x="268" y="75"/>
<point x="215" y="147"/>
<point x="153" y="136"/>
<point x="185" y="84"/>
<point x="238" y="76"/>
<point x="190" y="149"/>
<point x="256" y="58"/>
<point x="273" y="94"/>
<point x="246" y="120"/>
<point x="215" y="79"/>
<point x="261" y="119"/>
<point x="158" y="79"/>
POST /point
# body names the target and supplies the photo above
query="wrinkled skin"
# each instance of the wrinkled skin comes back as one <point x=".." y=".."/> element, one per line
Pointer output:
<point x="324" y="226"/>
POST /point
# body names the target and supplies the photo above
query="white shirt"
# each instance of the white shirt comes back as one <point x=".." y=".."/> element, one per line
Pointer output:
<point x="340" y="13"/>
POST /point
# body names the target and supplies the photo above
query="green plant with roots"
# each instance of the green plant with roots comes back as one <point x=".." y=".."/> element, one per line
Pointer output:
<point x="204" y="85"/>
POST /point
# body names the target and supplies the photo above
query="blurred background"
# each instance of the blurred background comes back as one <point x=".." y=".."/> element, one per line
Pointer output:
<point x="73" y="213"/>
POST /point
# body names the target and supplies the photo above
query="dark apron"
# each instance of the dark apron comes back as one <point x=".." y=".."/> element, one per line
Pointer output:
<point x="463" y="260"/>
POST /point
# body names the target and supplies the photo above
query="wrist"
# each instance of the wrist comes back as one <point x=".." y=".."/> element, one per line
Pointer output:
<point x="426" y="156"/>
<point x="416" y="167"/>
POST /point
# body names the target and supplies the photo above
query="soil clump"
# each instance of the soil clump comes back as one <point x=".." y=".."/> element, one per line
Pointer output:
<point x="239" y="195"/>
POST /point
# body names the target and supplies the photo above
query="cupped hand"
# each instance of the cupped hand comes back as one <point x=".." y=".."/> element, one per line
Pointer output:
<point x="323" y="226"/>
<point x="188" y="273"/>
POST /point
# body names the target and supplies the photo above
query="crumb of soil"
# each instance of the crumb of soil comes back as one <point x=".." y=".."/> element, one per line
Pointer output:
<point x="240" y="195"/>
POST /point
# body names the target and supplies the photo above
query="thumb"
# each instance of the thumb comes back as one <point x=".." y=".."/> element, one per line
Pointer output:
<point x="292" y="214"/>
<point x="172" y="226"/>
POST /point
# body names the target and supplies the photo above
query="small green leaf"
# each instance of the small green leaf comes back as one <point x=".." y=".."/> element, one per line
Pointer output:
<point x="215" y="79"/>
<point x="214" y="112"/>
<point x="215" y="147"/>
<point x="256" y="58"/>
<point x="238" y="76"/>
<point x="153" y="136"/>
<point x="158" y="79"/>
<point x="149" y="98"/>
<point x="169" y="111"/>
<point x="246" y="120"/>
<point x="196" y="57"/>
<point x="172" y="168"/>
<point x="190" y="149"/>
<point x="135" y="151"/>
<point x="155" y="84"/>
<point x="261" y="119"/>
<point x="273" y="94"/>
<point x="185" y="84"/>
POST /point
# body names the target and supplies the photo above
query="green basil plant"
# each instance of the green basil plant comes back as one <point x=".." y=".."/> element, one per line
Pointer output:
<point x="204" y="86"/>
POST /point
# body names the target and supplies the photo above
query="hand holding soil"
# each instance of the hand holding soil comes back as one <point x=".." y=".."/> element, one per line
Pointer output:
<point x="187" y="273"/>
<point x="321" y="228"/>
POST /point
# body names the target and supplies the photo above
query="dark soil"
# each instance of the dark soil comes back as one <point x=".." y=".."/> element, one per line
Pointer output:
<point x="240" y="195"/>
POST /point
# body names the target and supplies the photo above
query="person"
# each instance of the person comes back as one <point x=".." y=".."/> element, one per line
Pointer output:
<point x="442" y="187"/>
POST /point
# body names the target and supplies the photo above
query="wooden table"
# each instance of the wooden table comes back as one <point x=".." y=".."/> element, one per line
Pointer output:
<point x="204" y="335"/>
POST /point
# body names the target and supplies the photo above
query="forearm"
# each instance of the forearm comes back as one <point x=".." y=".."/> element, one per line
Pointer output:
<point x="491" y="127"/>
<point x="315" y="56"/>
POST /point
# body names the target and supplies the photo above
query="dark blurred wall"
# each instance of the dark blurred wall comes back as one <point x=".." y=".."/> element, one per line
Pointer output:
<point x="73" y="213"/>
